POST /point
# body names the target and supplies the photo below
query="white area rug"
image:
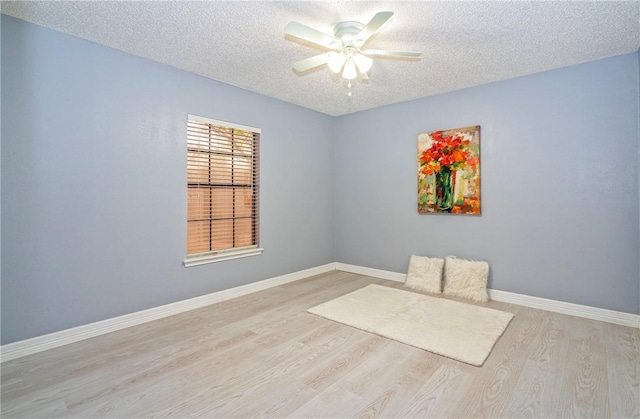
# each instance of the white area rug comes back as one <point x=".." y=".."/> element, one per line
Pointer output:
<point x="456" y="330"/>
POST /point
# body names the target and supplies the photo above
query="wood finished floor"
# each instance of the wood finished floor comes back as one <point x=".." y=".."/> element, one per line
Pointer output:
<point x="263" y="355"/>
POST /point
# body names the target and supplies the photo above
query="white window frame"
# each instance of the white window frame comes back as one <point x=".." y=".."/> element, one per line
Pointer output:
<point x="196" y="259"/>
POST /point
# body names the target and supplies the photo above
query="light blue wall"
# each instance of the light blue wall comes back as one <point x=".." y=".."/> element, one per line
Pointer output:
<point x="94" y="183"/>
<point x="559" y="153"/>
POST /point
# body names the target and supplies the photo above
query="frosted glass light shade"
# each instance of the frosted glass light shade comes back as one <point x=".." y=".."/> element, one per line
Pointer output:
<point x="336" y="61"/>
<point x="349" y="72"/>
<point x="363" y="62"/>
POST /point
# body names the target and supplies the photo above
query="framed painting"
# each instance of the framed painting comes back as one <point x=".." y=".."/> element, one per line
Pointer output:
<point x="449" y="171"/>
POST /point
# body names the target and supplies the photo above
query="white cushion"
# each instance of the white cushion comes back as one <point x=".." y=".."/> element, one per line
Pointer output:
<point x="425" y="274"/>
<point x="466" y="279"/>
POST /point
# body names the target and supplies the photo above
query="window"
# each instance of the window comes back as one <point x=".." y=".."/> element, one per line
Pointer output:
<point x="222" y="191"/>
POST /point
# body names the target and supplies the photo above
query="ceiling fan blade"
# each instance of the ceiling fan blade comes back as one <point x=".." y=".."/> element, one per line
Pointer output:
<point x="363" y="76"/>
<point x="311" y="62"/>
<point x="309" y="34"/>
<point x="372" y="27"/>
<point x="402" y="54"/>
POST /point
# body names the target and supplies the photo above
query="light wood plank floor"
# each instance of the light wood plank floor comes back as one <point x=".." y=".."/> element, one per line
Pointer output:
<point x="263" y="355"/>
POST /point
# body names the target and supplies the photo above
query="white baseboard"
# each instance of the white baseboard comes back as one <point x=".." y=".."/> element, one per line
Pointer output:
<point x="53" y="340"/>
<point x="376" y="273"/>
<point x="64" y="337"/>
<point x="587" y="312"/>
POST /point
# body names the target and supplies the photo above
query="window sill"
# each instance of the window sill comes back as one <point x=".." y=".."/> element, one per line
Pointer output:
<point x="219" y="257"/>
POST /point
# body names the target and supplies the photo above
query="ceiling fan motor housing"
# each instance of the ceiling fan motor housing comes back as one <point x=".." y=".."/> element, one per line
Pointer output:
<point x="347" y="33"/>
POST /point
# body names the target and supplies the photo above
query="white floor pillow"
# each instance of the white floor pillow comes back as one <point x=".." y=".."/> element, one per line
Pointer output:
<point x="466" y="279"/>
<point x="425" y="274"/>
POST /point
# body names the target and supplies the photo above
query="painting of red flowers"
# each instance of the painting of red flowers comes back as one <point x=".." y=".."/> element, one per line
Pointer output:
<point x="449" y="171"/>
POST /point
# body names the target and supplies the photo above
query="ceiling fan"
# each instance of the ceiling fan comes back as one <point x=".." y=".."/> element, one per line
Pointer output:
<point x="346" y="54"/>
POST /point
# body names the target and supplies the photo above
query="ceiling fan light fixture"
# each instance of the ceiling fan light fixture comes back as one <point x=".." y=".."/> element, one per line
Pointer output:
<point x="336" y="61"/>
<point x="350" y="71"/>
<point x="362" y="62"/>
<point x="345" y="56"/>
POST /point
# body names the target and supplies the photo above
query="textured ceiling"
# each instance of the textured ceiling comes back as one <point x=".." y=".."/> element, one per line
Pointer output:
<point x="242" y="43"/>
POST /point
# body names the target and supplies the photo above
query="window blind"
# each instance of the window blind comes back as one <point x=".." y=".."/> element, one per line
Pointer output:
<point x="223" y="186"/>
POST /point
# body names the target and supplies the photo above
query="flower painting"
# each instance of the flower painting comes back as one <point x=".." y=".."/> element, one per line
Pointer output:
<point x="449" y="171"/>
